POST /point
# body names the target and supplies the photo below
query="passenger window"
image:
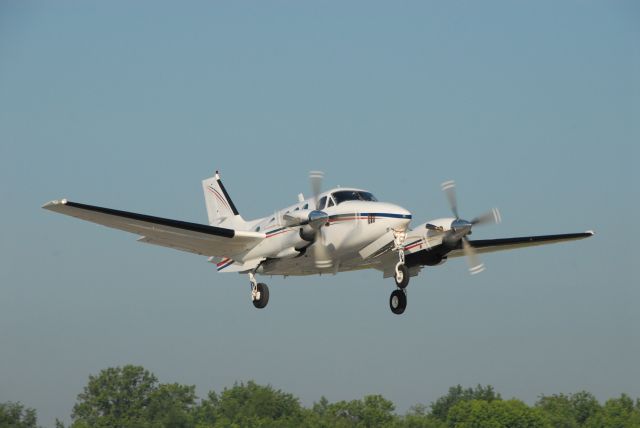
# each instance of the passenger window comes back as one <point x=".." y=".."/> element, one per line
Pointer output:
<point x="306" y="207"/>
<point x="323" y="201"/>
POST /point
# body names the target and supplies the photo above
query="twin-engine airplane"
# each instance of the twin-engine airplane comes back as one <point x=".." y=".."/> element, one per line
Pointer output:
<point x="339" y="230"/>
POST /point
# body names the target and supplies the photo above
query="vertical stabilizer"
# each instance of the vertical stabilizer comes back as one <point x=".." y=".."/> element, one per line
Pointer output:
<point x="220" y="208"/>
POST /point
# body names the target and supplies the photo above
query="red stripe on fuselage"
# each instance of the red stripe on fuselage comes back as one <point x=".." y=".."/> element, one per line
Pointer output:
<point x="223" y="261"/>
<point x="408" y="247"/>
<point x="278" y="233"/>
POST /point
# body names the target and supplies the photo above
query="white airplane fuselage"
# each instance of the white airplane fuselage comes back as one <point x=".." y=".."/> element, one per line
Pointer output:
<point x="352" y="225"/>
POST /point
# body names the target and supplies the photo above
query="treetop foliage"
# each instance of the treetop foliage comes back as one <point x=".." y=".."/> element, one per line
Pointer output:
<point x="15" y="415"/>
<point x="132" y="397"/>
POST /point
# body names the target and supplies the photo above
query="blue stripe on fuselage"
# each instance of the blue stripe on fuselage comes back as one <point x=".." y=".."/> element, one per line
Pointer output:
<point x="390" y="215"/>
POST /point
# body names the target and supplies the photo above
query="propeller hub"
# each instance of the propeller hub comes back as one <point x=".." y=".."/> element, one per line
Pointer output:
<point x="318" y="218"/>
<point x="459" y="225"/>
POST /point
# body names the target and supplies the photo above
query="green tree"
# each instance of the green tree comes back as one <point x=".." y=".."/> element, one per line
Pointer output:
<point x="250" y="405"/>
<point x="496" y="414"/>
<point x="172" y="405"/>
<point x="371" y="411"/>
<point x="571" y="410"/>
<point x="205" y="413"/>
<point x="559" y="409"/>
<point x="440" y="408"/>
<point x="117" y="397"/>
<point x="15" y="415"/>
<point x="418" y="417"/>
<point x="131" y="397"/>
<point x="584" y="406"/>
<point x="616" y="413"/>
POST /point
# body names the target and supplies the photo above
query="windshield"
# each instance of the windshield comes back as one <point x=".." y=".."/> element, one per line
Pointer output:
<point x="353" y="195"/>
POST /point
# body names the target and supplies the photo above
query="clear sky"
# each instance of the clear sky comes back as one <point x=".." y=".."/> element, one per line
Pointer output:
<point x="531" y="106"/>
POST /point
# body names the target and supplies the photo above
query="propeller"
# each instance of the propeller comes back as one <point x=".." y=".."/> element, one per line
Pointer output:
<point x="461" y="228"/>
<point x="317" y="219"/>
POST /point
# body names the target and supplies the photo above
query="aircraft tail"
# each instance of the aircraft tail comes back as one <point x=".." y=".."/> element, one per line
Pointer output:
<point x="220" y="208"/>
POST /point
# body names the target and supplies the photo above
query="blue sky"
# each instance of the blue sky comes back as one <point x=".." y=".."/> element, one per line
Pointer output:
<point x="532" y="107"/>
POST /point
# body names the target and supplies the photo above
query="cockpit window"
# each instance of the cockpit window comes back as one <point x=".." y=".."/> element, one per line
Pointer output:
<point x="323" y="200"/>
<point x="330" y="204"/>
<point x="353" y="195"/>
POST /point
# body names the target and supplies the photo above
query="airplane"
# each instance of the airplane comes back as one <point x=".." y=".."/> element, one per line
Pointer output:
<point x="339" y="230"/>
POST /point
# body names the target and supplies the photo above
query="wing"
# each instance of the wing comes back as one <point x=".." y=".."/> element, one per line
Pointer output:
<point x="181" y="235"/>
<point x="491" y="245"/>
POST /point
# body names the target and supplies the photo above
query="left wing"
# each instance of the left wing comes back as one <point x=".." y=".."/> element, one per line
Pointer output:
<point x="501" y="244"/>
<point x="181" y="235"/>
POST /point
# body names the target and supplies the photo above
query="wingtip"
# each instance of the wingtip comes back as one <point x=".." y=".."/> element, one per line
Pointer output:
<point x="51" y="204"/>
<point x="590" y="232"/>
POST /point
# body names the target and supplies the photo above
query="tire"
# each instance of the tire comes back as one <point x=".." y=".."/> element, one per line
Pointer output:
<point x="398" y="302"/>
<point x="403" y="280"/>
<point x="264" y="296"/>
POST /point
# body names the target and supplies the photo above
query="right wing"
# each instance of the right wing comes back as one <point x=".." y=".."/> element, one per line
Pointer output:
<point x="181" y="235"/>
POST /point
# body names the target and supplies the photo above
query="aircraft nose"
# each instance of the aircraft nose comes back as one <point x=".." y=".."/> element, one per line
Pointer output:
<point x="403" y="213"/>
<point x="401" y="216"/>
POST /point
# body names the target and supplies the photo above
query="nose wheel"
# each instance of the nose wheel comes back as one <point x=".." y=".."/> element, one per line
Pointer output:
<point x="401" y="276"/>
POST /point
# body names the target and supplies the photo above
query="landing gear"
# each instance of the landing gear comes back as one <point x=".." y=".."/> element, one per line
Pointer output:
<point x="398" y="301"/>
<point x="262" y="295"/>
<point x="402" y="273"/>
<point x="259" y="292"/>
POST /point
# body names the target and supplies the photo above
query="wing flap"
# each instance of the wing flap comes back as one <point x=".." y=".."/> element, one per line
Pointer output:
<point x="186" y="236"/>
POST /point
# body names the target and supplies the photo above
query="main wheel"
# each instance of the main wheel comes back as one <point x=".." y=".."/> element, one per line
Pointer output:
<point x="402" y="276"/>
<point x="263" y="296"/>
<point x="398" y="302"/>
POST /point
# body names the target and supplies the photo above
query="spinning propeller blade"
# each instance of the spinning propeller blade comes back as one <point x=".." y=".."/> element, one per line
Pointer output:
<point x="320" y="252"/>
<point x="315" y="179"/>
<point x="475" y="265"/>
<point x="462" y="228"/>
<point x="490" y="217"/>
<point x="449" y="189"/>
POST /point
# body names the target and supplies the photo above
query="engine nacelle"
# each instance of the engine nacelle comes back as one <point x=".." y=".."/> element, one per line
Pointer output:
<point x="308" y="233"/>
<point x="288" y="253"/>
<point x="439" y="224"/>
<point x="434" y="260"/>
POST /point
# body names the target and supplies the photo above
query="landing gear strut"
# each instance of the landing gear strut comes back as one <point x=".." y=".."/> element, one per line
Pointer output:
<point x="398" y="298"/>
<point x="259" y="292"/>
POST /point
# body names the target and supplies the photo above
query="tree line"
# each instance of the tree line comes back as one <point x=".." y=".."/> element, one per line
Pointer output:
<point x="132" y="397"/>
